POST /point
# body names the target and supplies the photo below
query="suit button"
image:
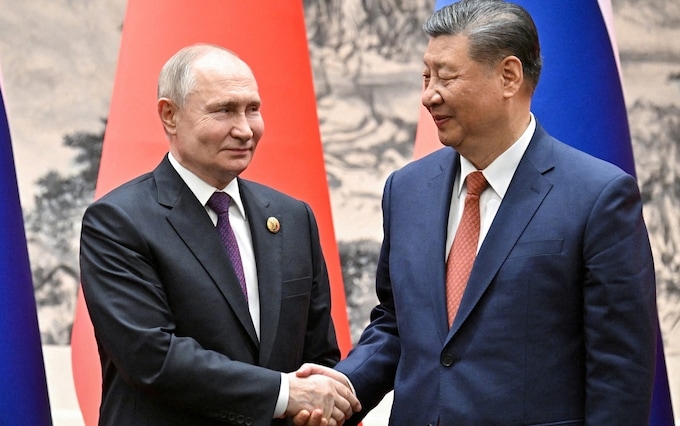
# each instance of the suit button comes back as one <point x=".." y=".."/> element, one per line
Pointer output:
<point x="447" y="360"/>
<point x="249" y="421"/>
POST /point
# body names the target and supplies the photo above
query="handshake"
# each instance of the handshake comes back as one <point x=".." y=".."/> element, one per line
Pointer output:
<point x="320" y="396"/>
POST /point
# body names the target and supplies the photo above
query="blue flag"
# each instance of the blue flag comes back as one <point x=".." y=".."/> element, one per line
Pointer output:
<point x="579" y="100"/>
<point x="23" y="387"/>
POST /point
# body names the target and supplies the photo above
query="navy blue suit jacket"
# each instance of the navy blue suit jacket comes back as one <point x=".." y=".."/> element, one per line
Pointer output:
<point x="175" y="337"/>
<point x="558" y="321"/>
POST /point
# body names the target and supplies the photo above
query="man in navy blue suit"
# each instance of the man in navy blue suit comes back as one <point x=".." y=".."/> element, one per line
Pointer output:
<point x="557" y="322"/>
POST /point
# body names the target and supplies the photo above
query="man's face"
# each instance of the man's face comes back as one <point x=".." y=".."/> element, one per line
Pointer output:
<point x="220" y="124"/>
<point x="464" y="97"/>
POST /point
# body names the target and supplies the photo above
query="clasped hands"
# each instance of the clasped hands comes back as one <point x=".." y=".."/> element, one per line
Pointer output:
<point x="320" y="396"/>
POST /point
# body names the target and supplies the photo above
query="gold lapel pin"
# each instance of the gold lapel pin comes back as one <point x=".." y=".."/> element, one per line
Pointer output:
<point x="273" y="225"/>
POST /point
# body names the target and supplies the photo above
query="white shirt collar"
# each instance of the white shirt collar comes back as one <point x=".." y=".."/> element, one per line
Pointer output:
<point x="500" y="172"/>
<point x="202" y="190"/>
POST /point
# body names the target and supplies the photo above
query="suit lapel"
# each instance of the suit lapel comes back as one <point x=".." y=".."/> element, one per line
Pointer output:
<point x="525" y="194"/>
<point x="436" y="201"/>
<point x="193" y="226"/>
<point x="267" y="248"/>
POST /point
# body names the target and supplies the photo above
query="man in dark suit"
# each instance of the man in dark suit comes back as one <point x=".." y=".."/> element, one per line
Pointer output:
<point x="188" y="335"/>
<point x="557" y="321"/>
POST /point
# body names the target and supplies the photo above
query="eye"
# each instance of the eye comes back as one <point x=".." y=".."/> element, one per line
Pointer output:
<point x="253" y="109"/>
<point x="223" y="109"/>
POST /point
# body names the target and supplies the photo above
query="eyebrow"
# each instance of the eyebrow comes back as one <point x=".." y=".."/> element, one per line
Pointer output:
<point x="233" y="104"/>
<point x="433" y="64"/>
<point x="225" y="104"/>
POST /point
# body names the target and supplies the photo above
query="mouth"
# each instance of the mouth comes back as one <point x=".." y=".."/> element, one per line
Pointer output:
<point x="440" y="120"/>
<point x="239" y="149"/>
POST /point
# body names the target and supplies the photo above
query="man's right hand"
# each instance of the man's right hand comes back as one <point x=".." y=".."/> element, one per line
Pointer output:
<point x="319" y="400"/>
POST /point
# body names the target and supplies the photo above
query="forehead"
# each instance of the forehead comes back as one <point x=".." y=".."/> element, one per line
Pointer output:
<point x="445" y="51"/>
<point x="222" y="74"/>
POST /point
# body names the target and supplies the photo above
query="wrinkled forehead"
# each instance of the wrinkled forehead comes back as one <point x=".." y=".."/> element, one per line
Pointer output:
<point x="223" y="71"/>
<point x="220" y="85"/>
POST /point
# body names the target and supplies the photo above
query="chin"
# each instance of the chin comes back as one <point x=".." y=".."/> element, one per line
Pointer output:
<point x="447" y="142"/>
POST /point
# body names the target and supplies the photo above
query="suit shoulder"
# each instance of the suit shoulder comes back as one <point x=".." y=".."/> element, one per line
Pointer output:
<point x="551" y="155"/>
<point x="437" y="160"/>
<point x="129" y="192"/>
<point x="576" y="159"/>
<point x="267" y="192"/>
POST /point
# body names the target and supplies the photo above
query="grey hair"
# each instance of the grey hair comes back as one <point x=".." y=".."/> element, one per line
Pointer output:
<point x="495" y="29"/>
<point x="176" y="79"/>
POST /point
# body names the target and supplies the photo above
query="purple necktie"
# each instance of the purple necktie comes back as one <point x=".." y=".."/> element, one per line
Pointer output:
<point x="219" y="202"/>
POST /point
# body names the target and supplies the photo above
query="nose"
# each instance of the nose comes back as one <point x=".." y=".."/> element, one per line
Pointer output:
<point x="430" y="96"/>
<point x="241" y="128"/>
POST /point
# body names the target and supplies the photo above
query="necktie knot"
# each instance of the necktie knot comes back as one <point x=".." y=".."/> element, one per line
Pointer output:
<point x="219" y="202"/>
<point x="476" y="183"/>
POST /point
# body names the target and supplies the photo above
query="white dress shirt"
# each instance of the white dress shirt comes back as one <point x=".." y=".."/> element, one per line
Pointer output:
<point x="499" y="174"/>
<point x="239" y="223"/>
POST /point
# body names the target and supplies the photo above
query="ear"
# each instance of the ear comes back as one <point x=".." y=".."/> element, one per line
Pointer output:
<point x="512" y="73"/>
<point x="167" y="111"/>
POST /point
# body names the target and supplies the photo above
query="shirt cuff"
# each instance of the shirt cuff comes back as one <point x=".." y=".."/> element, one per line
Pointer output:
<point x="284" y="393"/>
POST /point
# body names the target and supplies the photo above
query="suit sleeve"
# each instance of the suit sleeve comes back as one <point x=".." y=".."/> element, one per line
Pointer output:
<point x="371" y="366"/>
<point x="135" y="328"/>
<point x="619" y="308"/>
<point x="321" y="346"/>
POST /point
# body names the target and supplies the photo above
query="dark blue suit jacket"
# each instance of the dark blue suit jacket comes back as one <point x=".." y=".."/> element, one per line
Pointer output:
<point x="558" y="321"/>
<point x="176" y="340"/>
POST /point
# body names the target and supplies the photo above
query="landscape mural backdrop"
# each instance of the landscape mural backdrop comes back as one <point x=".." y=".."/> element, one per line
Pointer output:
<point x="58" y="61"/>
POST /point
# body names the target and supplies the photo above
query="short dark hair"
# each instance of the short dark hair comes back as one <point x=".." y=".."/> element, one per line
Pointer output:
<point x="495" y="29"/>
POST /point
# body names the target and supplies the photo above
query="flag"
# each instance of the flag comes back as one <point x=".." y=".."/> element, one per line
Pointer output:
<point x="271" y="38"/>
<point x="23" y="386"/>
<point x="580" y="101"/>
